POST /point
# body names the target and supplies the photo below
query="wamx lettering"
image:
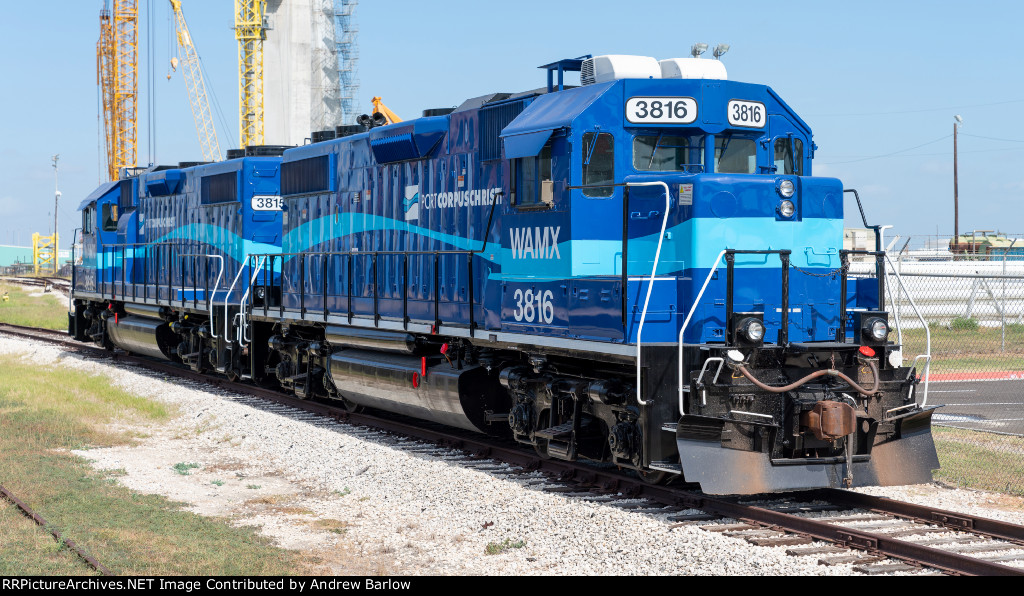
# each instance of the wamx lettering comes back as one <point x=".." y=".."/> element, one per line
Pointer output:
<point x="535" y="243"/>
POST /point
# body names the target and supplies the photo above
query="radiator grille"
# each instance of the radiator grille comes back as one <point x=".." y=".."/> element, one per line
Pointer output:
<point x="305" y="175"/>
<point x="219" y="188"/>
<point x="492" y="120"/>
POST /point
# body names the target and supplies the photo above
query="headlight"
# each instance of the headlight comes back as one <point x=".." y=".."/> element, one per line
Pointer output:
<point x="787" y="208"/>
<point x="786" y="188"/>
<point x="754" y="330"/>
<point x="878" y="329"/>
<point x="260" y="292"/>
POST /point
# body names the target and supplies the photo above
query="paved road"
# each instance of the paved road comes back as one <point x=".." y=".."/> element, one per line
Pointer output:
<point x="984" y="405"/>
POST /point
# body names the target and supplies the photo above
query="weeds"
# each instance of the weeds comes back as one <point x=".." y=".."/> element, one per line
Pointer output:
<point x="496" y="548"/>
<point x="183" y="468"/>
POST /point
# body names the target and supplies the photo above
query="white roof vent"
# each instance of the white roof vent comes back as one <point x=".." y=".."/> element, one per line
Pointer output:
<point x="692" y="68"/>
<point x="600" y="69"/>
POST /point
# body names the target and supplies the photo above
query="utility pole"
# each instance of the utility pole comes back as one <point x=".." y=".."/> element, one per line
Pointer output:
<point x="56" y="200"/>
<point x="956" y="199"/>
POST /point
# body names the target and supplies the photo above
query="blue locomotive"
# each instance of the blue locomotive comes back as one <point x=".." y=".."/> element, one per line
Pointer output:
<point x="164" y="269"/>
<point x="638" y="270"/>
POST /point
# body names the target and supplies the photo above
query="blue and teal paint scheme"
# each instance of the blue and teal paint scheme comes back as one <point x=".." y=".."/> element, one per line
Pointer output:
<point x="639" y="271"/>
<point x="430" y="185"/>
<point x="180" y="235"/>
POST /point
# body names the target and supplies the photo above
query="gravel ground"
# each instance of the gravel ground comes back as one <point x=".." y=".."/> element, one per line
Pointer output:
<point x="362" y="501"/>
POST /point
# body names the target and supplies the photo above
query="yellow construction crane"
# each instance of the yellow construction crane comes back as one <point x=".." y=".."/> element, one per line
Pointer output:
<point x="118" y="63"/>
<point x="250" y="31"/>
<point x="196" y="87"/>
<point x="105" y="81"/>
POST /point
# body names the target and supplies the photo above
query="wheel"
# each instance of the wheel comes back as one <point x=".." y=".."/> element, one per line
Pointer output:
<point x="652" y="476"/>
<point x="351" y="406"/>
<point x="542" y="449"/>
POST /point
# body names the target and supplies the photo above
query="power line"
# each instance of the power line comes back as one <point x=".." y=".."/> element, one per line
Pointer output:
<point x="1003" y="150"/>
<point x="888" y="154"/>
<point x="964" y="134"/>
<point x="919" y="111"/>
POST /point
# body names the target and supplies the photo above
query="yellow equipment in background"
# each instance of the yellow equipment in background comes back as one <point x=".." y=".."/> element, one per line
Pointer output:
<point x="380" y="108"/>
<point x="196" y="87"/>
<point x="117" y="57"/>
<point x="250" y="31"/>
<point x="44" y="253"/>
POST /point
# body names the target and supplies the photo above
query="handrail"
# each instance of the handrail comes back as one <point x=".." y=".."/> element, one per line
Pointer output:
<point x="256" y="271"/>
<point x="730" y="255"/>
<point x="650" y="286"/>
<point x="210" y="301"/>
<point x="927" y="332"/>
<point x="682" y="330"/>
<point x="227" y="294"/>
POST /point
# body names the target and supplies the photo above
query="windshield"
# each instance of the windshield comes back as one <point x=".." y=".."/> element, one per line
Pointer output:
<point x="735" y="155"/>
<point x="668" y="153"/>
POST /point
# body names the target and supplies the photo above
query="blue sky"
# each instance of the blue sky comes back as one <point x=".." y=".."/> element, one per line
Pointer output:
<point x="878" y="82"/>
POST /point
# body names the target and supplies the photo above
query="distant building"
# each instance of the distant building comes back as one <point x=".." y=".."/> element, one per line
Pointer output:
<point x="858" y="239"/>
<point x="18" y="259"/>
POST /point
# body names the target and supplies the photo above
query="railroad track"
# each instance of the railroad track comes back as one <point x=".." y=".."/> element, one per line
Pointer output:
<point x="58" y="283"/>
<point x="876" y="535"/>
<point x="42" y="523"/>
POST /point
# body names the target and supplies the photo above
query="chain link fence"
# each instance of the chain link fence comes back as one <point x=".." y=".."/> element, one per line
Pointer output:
<point x="972" y="302"/>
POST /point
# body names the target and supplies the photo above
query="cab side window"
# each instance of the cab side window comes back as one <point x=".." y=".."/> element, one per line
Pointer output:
<point x="88" y="215"/>
<point x="109" y="218"/>
<point x="598" y="164"/>
<point x="789" y="154"/>
<point x="532" y="176"/>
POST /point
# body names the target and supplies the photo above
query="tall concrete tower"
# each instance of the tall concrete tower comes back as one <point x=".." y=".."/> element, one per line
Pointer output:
<point x="308" y="68"/>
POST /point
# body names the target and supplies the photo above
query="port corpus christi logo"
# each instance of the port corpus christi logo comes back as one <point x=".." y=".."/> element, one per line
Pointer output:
<point x="414" y="201"/>
<point x="411" y="204"/>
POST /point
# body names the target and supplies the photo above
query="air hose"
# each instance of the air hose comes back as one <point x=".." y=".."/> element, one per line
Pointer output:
<point x="814" y="375"/>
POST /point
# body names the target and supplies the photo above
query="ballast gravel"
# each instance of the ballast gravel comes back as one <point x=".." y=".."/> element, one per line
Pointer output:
<point x="365" y="501"/>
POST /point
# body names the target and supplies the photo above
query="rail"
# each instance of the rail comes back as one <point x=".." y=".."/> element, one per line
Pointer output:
<point x="730" y="258"/>
<point x="154" y="271"/>
<point x="784" y="256"/>
<point x="271" y="284"/>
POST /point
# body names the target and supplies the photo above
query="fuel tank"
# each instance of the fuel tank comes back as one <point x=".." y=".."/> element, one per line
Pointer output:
<point x="394" y="383"/>
<point x="142" y="335"/>
<point x="370" y="339"/>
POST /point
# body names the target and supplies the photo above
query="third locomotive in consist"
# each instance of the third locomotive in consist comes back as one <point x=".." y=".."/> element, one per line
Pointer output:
<point x="639" y="270"/>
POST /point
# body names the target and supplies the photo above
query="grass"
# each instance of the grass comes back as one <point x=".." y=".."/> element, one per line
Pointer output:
<point x="963" y="346"/>
<point x="980" y="460"/>
<point x="184" y="468"/>
<point x="49" y="311"/>
<point x="496" y="548"/>
<point x="43" y="414"/>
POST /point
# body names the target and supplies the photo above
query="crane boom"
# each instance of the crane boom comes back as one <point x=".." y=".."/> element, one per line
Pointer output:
<point x="250" y="31"/>
<point x="118" y="63"/>
<point x="105" y="80"/>
<point x="196" y="88"/>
